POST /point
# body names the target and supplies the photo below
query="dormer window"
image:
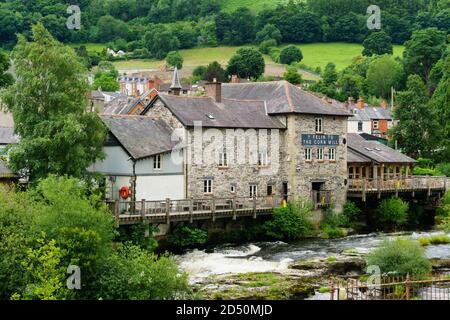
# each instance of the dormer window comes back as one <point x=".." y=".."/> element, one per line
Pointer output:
<point x="319" y="128"/>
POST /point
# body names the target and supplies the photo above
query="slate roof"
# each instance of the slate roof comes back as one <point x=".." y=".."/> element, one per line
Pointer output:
<point x="360" y="149"/>
<point x="228" y="114"/>
<point x="118" y="105"/>
<point x="140" y="136"/>
<point x="7" y="136"/>
<point x="282" y="97"/>
<point x="370" y="113"/>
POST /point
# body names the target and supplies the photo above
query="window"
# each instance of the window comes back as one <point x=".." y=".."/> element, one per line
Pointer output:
<point x="320" y="154"/>
<point x="375" y="124"/>
<point x="207" y="186"/>
<point x="262" y="159"/>
<point x="253" y="190"/>
<point x="157" y="162"/>
<point x="223" y="161"/>
<point x="319" y="125"/>
<point x="233" y="188"/>
<point x="360" y="126"/>
<point x="308" y="154"/>
<point x="332" y="154"/>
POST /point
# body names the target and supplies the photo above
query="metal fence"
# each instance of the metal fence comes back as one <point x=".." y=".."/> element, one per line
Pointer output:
<point x="418" y="287"/>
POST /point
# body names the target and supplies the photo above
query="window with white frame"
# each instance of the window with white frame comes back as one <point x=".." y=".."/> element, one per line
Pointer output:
<point x="319" y="128"/>
<point x="308" y="153"/>
<point x="223" y="160"/>
<point x="332" y="154"/>
<point x="208" y="186"/>
<point x="157" y="162"/>
<point x="253" y="190"/>
<point x="320" y="154"/>
<point x="360" y="126"/>
<point x="262" y="159"/>
<point x="375" y="124"/>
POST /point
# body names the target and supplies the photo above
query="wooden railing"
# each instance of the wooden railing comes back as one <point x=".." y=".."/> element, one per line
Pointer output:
<point x="321" y="199"/>
<point x="193" y="208"/>
<point x="408" y="183"/>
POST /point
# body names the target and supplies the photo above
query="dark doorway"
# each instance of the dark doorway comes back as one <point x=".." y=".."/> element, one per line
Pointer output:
<point x="270" y="190"/>
<point x="285" y="191"/>
<point x="316" y="188"/>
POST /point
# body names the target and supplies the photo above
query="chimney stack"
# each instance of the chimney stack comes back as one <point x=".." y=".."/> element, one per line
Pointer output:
<point x="214" y="90"/>
<point x="384" y="104"/>
<point x="360" y="103"/>
<point x="350" y="101"/>
<point x="234" y="79"/>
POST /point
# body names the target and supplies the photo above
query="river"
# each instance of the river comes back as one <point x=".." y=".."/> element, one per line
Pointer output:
<point x="278" y="256"/>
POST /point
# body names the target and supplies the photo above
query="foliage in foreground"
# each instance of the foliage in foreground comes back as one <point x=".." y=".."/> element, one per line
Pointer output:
<point x="61" y="223"/>
<point x="290" y="223"/>
<point x="400" y="256"/>
<point x="186" y="236"/>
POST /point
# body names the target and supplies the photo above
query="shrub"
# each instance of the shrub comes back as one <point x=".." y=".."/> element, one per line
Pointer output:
<point x="290" y="223"/>
<point x="274" y="54"/>
<point x="424" y="241"/>
<point x="265" y="46"/>
<point x="393" y="212"/>
<point x="185" y="237"/>
<point x="290" y="54"/>
<point x="351" y="211"/>
<point x="440" y="239"/>
<point x="131" y="273"/>
<point x="400" y="256"/>
<point x="444" y="168"/>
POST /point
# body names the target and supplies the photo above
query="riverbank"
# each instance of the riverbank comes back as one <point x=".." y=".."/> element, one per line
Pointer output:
<point x="279" y="270"/>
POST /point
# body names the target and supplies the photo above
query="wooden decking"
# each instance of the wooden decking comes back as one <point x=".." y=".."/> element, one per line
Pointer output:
<point x="361" y="188"/>
<point x="166" y="211"/>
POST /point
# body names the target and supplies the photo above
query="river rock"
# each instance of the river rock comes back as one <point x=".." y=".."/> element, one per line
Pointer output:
<point x="440" y="263"/>
<point x="339" y="265"/>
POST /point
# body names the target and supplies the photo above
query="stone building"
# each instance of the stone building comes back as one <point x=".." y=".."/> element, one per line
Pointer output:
<point x="255" y="139"/>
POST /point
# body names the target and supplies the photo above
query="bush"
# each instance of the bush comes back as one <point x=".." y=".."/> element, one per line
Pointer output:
<point x="274" y="54"/>
<point x="393" y="212"/>
<point x="444" y="168"/>
<point x="265" y="46"/>
<point x="401" y="257"/>
<point x="419" y="171"/>
<point x="290" y="54"/>
<point x="290" y="223"/>
<point x="440" y="239"/>
<point x="186" y="237"/>
<point x="131" y="273"/>
<point x="424" y="241"/>
<point x="351" y="211"/>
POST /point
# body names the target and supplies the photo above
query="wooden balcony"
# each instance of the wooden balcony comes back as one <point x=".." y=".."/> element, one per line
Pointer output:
<point x="396" y="185"/>
<point x="165" y="211"/>
<point x="321" y="199"/>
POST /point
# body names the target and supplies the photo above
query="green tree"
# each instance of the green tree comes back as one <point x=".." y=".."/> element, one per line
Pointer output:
<point x="266" y="45"/>
<point x="377" y="43"/>
<point x="330" y="74"/>
<point x="291" y="75"/>
<point x="290" y="54"/>
<point x="215" y="71"/>
<point x="174" y="59"/>
<point x="351" y="84"/>
<point x="423" y="50"/>
<point x="160" y="42"/>
<point x="247" y="62"/>
<point x="5" y="78"/>
<point x="393" y="212"/>
<point x="49" y="107"/>
<point x="269" y="32"/>
<point x="383" y="74"/>
<point x="105" y="83"/>
<point x="413" y="112"/>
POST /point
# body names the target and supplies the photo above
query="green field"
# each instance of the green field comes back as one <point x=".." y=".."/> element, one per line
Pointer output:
<point x="314" y="55"/>
<point x="253" y="5"/>
<point x="341" y="54"/>
<point x="97" y="47"/>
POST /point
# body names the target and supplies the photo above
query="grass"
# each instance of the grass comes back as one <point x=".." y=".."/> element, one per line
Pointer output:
<point x="341" y="54"/>
<point x="435" y="240"/>
<point x="96" y="47"/>
<point x="254" y="5"/>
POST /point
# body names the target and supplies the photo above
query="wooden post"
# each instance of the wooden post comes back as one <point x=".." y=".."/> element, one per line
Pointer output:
<point x="117" y="212"/>
<point x="364" y="181"/>
<point x="396" y="186"/>
<point x="191" y="210"/>
<point x="428" y="187"/>
<point x="413" y="179"/>
<point x="331" y="290"/>
<point x="407" y="286"/>
<point x="167" y="210"/>
<point x="379" y="187"/>
<point x="234" y="208"/>
<point x="213" y="209"/>
<point x="143" y="209"/>
<point x="254" y="206"/>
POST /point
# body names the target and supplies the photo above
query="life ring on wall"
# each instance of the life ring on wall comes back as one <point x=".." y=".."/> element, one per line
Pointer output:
<point x="125" y="193"/>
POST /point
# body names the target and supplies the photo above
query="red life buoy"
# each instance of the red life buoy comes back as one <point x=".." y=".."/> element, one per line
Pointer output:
<point x="125" y="193"/>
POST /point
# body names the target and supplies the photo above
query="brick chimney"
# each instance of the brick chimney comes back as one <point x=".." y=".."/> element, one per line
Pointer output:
<point x="214" y="90"/>
<point x="234" y="78"/>
<point x="360" y="103"/>
<point x="350" y="101"/>
<point x="384" y="104"/>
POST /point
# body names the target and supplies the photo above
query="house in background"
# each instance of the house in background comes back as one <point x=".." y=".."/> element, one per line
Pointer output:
<point x="99" y="99"/>
<point x="367" y="119"/>
<point x="137" y="85"/>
